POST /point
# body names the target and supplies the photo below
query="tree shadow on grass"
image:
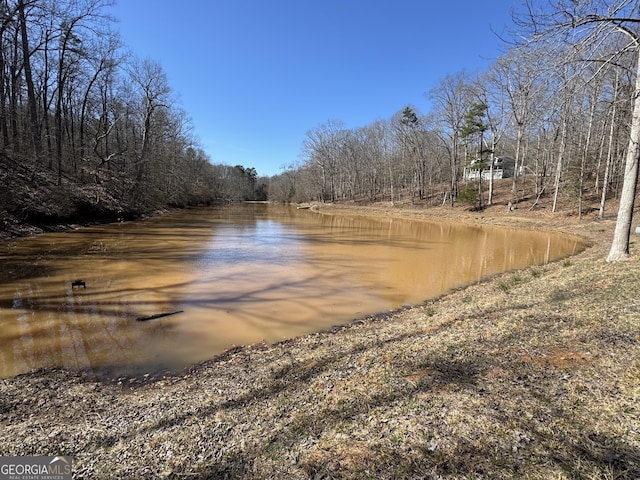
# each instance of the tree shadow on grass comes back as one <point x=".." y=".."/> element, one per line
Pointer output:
<point x="579" y="451"/>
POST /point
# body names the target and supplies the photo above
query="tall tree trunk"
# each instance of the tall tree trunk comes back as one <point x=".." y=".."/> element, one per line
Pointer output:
<point x="454" y="168"/>
<point x="3" y="95"/>
<point x="620" y="244"/>
<point x="596" y="170"/>
<point x="31" y="96"/>
<point x="3" y="77"/>
<point x="83" y="113"/>
<point x="492" y="159"/>
<point x="587" y="142"/>
<point x="13" y="109"/>
<point x="45" y="98"/>
<point x="518" y="161"/>
<point x="607" y="168"/>
<point x="391" y="180"/>
<point x="563" y="146"/>
<point x="58" y="112"/>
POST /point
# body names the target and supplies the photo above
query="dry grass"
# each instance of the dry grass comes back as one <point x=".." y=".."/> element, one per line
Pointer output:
<point x="532" y="374"/>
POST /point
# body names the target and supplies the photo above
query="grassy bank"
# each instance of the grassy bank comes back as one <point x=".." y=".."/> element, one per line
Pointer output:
<point x="531" y="374"/>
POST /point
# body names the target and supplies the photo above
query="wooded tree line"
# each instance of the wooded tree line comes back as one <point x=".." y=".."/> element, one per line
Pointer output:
<point x="98" y="122"/>
<point x="561" y="101"/>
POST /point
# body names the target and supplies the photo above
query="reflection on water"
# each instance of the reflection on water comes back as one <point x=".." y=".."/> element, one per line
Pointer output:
<point x="240" y="274"/>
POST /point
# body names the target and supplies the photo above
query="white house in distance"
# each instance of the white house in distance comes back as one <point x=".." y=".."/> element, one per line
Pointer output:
<point x="502" y="168"/>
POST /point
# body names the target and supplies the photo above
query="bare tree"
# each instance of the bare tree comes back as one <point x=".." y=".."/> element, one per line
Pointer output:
<point x="523" y="74"/>
<point x="379" y="177"/>
<point x="452" y="97"/>
<point x="611" y="141"/>
<point x="102" y="63"/>
<point x="591" y="95"/>
<point x="153" y="90"/>
<point x="7" y="22"/>
<point x="492" y="91"/>
<point x="31" y="94"/>
<point x="585" y="24"/>
<point x="408" y="129"/>
<point x="322" y="148"/>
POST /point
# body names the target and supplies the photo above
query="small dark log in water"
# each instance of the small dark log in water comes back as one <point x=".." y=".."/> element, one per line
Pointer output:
<point x="157" y="315"/>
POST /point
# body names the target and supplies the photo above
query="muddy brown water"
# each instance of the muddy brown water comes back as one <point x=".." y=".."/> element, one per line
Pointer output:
<point x="238" y="275"/>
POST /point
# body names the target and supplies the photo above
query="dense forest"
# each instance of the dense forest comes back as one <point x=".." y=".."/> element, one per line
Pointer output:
<point x="90" y="131"/>
<point x="561" y="110"/>
<point x="559" y="101"/>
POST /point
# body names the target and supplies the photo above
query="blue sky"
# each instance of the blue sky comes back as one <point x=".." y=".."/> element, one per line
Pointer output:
<point x="256" y="75"/>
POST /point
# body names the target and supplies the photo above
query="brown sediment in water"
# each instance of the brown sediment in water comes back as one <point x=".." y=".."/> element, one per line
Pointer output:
<point x="240" y="274"/>
<point x="530" y="374"/>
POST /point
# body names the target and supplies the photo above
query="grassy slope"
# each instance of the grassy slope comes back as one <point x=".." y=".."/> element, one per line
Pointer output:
<point x="532" y="374"/>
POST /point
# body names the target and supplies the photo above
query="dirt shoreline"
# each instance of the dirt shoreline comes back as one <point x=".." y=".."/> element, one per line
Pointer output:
<point x="530" y="374"/>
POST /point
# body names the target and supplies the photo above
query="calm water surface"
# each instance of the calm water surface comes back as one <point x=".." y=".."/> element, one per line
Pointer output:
<point x="240" y="274"/>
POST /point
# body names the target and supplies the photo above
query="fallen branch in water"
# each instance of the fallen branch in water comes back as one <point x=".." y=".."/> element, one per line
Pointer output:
<point x="157" y="315"/>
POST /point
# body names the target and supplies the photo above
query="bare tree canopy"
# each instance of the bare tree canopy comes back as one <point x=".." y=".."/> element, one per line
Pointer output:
<point x="96" y="130"/>
<point x="562" y="104"/>
<point x="587" y="26"/>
